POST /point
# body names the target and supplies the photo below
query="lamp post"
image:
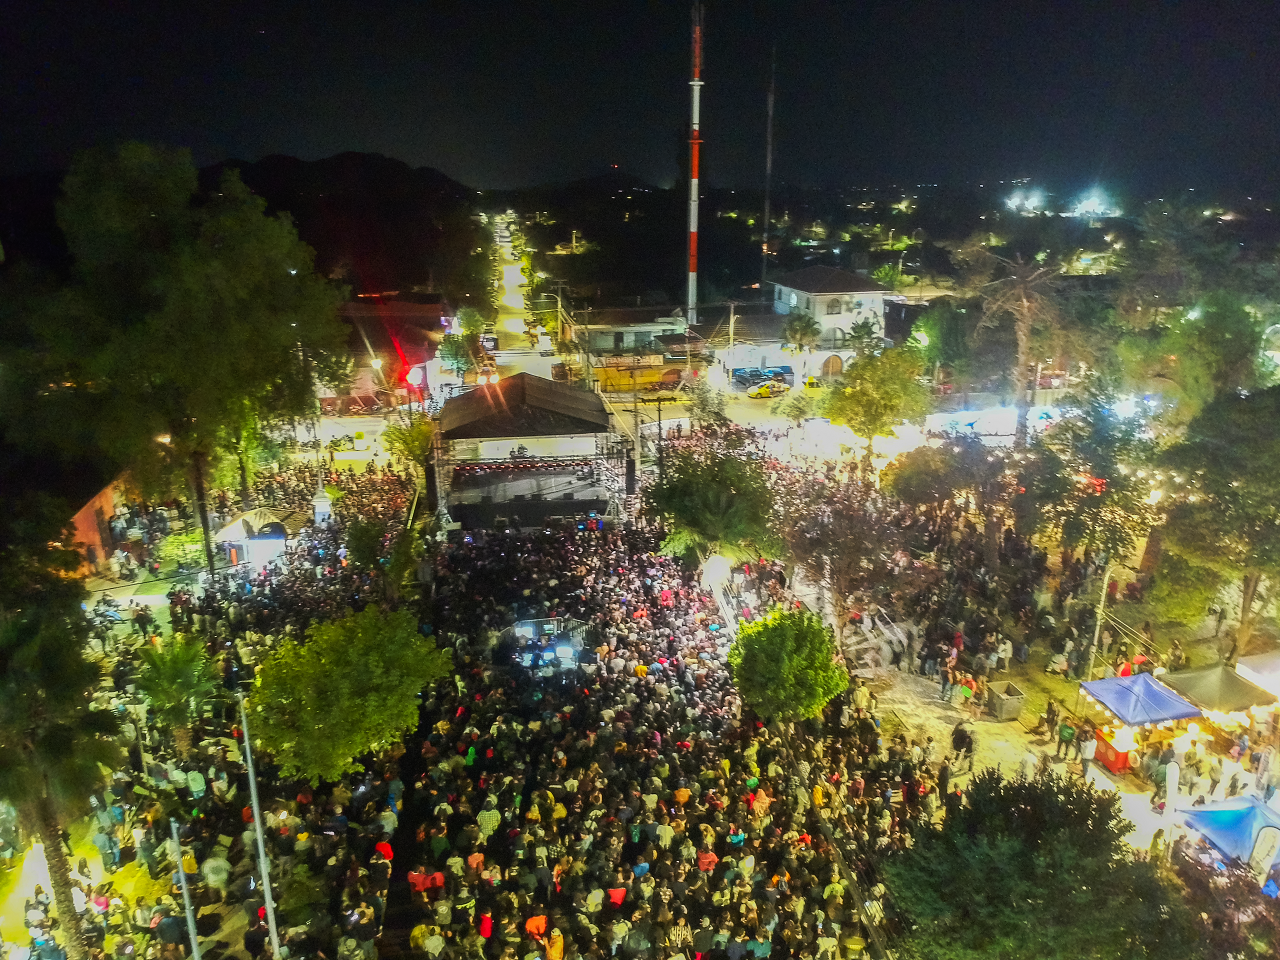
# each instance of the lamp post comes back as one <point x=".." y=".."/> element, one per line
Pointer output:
<point x="415" y="378"/>
<point x="186" y="892"/>
<point x="264" y="866"/>
<point x="1097" y="627"/>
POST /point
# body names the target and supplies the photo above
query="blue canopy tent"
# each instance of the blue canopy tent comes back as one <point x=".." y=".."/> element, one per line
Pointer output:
<point x="1139" y="700"/>
<point x="1233" y="825"/>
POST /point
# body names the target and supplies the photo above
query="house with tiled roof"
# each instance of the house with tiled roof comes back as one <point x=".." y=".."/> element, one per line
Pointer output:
<point x="838" y="299"/>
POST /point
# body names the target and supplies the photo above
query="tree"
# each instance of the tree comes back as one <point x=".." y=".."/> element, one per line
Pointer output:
<point x="801" y="332"/>
<point x="352" y="688"/>
<point x="412" y="441"/>
<point x="365" y="540"/>
<point x="183" y="311"/>
<point x="890" y="275"/>
<point x="1183" y="591"/>
<point x="470" y="321"/>
<point x="54" y="750"/>
<point x="1225" y="493"/>
<point x="797" y="406"/>
<point x="179" y="681"/>
<point x="714" y="503"/>
<point x="962" y="463"/>
<point x="843" y="538"/>
<point x="1195" y="354"/>
<point x="878" y="392"/>
<point x="920" y="476"/>
<point x="1088" y="476"/>
<point x="1035" y="869"/>
<point x="457" y="354"/>
<point x="1027" y="292"/>
<point x="706" y="403"/>
<point x="783" y="664"/>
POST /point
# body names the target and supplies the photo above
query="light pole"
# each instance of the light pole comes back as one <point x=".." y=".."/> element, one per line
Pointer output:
<point x="264" y="867"/>
<point x="415" y="378"/>
<point x="1097" y="627"/>
<point x="186" y="892"/>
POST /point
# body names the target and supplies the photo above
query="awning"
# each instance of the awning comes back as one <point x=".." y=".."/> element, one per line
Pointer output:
<point x="246" y="526"/>
<point x="1218" y="688"/>
<point x="681" y="343"/>
<point x="1262" y="669"/>
<point x="1233" y="825"/>
<point x="1139" y="700"/>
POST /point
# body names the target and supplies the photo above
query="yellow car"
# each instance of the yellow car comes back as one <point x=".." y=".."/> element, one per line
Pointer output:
<point x="813" y="383"/>
<point x="767" y="389"/>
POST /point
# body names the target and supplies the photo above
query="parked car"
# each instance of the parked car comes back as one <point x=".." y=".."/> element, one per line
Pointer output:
<point x="812" y="383"/>
<point x="767" y="388"/>
<point x="748" y="376"/>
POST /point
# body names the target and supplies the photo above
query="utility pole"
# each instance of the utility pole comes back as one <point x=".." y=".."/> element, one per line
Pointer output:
<point x="660" y="439"/>
<point x="186" y="892"/>
<point x="768" y="165"/>
<point x="264" y="866"/>
<point x="733" y="317"/>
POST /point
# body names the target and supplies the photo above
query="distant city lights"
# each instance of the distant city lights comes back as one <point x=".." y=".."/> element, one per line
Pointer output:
<point x="1094" y="204"/>
<point x="1028" y="203"/>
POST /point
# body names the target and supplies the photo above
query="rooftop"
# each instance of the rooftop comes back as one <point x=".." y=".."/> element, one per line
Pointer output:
<point x="829" y="280"/>
<point x="523" y="405"/>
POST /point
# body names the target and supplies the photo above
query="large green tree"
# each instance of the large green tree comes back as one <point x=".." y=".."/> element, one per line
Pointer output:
<point x="178" y="680"/>
<point x="351" y="688"/>
<point x="714" y="503"/>
<point x="1035" y="870"/>
<point x="1088" y="475"/>
<point x="185" y="313"/>
<point x="878" y="392"/>
<point x="1224" y="493"/>
<point x="784" y="665"/>
<point x="54" y="750"/>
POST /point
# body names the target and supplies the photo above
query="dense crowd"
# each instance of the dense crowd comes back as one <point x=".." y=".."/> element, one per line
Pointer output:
<point x="619" y="800"/>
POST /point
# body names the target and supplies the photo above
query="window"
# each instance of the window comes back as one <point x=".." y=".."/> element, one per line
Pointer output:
<point x="777" y="293"/>
<point x="834" y="306"/>
<point x="794" y="299"/>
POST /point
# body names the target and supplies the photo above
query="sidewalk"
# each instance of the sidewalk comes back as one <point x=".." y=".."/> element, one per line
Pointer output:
<point x="914" y="702"/>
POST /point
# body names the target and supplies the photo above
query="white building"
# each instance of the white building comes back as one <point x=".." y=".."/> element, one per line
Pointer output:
<point x="838" y="299"/>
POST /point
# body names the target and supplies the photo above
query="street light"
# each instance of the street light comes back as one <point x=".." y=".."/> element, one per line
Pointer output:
<point x="414" y="377"/>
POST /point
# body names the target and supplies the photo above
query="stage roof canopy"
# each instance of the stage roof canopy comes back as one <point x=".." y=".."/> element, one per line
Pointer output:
<point x="523" y="406"/>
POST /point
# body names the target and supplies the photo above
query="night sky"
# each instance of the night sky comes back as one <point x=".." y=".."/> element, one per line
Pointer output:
<point x="1141" y="95"/>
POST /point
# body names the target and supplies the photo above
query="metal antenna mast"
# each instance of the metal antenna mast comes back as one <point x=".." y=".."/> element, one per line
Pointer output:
<point x="695" y="145"/>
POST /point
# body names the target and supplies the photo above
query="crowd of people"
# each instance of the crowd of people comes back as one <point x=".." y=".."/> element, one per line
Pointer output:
<point x="615" y="800"/>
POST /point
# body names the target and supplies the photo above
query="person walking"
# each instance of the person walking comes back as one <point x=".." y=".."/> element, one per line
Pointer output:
<point x="1066" y="738"/>
<point x="1086" y="749"/>
<point x="108" y="848"/>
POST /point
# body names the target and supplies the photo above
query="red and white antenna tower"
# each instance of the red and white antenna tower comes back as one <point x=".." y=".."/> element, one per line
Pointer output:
<point x="695" y="147"/>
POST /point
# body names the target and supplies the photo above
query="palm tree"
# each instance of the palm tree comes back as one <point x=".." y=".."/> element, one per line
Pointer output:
<point x="1027" y="292"/>
<point x="54" y="749"/>
<point x="178" y="681"/>
<point x="801" y="332"/>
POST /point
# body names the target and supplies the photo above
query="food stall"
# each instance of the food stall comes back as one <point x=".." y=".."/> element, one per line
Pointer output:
<point x="1131" y="703"/>
<point x="1242" y="827"/>
<point x="1227" y="700"/>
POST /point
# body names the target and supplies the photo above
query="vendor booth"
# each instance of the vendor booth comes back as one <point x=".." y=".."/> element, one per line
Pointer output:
<point x="1136" y="701"/>
<point x="1262" y="670"/>
<point x="1227" y="699"/>
<point x="1244" y="828"/>
<point x="259" y="536"/>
